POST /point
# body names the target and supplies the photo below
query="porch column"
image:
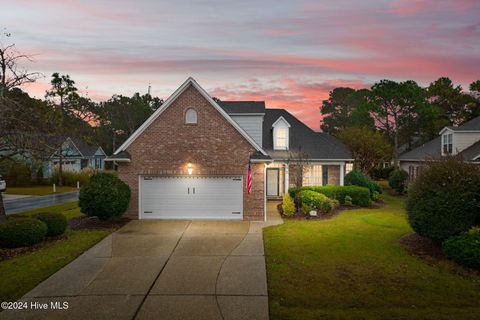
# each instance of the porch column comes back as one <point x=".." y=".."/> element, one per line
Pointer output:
<point x="286" y="178"/>
<point x="342" y="174"/>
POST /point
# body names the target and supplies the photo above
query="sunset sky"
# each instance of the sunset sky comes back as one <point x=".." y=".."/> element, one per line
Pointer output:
<point x="288" y="53"/>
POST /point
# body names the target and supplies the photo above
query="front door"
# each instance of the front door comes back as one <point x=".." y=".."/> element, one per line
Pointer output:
<point x="272" y="182"/>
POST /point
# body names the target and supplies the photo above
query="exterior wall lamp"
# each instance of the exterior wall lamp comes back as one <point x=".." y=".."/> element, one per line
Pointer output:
<point x="190" y="169"/>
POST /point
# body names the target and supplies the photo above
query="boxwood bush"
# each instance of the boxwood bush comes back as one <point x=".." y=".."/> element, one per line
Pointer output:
<point x="288" y="205"/>
<point x="22" y="232"/>
<point x="55" y="221"/>
<point x="463" y="249"/>
<point x="398" y="180"/>
<point x="315" y="200"/>
<point x="105" y="196"/>
<point x="356" y="178"/>
<point x="360" y="196"/>
<point x="445" y="199"/>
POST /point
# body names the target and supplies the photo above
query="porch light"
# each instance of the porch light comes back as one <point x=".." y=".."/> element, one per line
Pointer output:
<point x="190" y="168"/>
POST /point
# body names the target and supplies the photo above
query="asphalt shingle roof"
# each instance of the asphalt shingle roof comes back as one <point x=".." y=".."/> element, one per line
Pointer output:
<point x="429" y="150"/>
<point x="242" y="106"/>
<point x="316" y="145"/>
<point x="473" y="124"/>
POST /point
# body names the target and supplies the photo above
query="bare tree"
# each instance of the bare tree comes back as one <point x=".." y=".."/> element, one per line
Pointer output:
<point x="298" y="162"/>
<point x="15" y="123"/>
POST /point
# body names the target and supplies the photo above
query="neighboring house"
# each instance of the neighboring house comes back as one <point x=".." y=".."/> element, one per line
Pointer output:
<point x="463" y="141"/>
<point x="76" y="155"/>
<point x="190" y="159"/>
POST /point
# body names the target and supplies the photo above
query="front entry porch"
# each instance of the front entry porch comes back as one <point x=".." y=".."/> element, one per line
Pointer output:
<point x="281" y="176"/>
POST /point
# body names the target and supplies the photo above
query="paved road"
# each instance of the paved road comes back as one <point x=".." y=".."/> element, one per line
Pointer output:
<point x="16" y="205"/>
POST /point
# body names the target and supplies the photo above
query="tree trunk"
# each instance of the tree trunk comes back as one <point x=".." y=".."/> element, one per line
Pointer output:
<point x="60" y="171"/>
<point x="3" y="215"/>
<point x="395" y="147"/>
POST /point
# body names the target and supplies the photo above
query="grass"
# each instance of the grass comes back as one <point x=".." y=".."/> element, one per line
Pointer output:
<point x="38" y="190"/>
<point x="23" y="273"/>
<point x="353" y="267"/>
<point x="69" y="209"/>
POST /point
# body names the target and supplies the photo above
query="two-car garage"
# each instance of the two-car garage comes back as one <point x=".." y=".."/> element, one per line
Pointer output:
<point x="185" y="197"/>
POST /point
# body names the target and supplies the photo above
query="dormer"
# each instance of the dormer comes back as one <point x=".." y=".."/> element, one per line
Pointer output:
<point x="281" y="134"/>
<point x="447" y="142"/>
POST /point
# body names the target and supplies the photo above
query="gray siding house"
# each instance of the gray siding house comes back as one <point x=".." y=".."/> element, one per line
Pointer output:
<point x="463" y="141"/>
<point x="76" y="155"/>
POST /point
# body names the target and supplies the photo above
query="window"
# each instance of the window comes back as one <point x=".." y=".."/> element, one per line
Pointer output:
<point x="281" y="138"/>
<point x="191" y="116"/>
<point x="281" y="134"/>
<point x="348" y="167"/>
<point x="447" y="143"/>
<point x="312" y="175"/>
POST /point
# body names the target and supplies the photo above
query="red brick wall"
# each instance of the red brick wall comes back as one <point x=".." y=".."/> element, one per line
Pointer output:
<point x="213" y="146"/>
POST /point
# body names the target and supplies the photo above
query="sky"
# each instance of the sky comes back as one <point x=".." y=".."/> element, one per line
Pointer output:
<point x="288" y="53"/>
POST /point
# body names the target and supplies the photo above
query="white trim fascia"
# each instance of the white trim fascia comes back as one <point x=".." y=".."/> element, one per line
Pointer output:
<point x="170" y="100"/>
<point x="281" y="118"/>
<point x="139" y="197"/>
<point x="445" y="129"/>
<point x="246" y="114"/>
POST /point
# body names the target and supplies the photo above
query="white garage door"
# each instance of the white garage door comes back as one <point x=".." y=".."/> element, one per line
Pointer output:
<point x="191" y="197"/>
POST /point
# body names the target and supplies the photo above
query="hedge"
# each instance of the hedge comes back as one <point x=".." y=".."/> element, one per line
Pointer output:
<point x="360" y="196"/>
<point x="463" y="249"/>
<point x="22" y="232"/>
<point x="55" y="221"/>
<point x="356" y="178"/>
<point x="314" y="200"/>
<point x="444" y="200"/>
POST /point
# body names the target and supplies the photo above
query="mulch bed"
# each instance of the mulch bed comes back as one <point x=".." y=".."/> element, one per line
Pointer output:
<point x="8" y="253"/>
<point x="431" y="252"/>
<point x="300" y="216"/>
<point x="84" y="222"/>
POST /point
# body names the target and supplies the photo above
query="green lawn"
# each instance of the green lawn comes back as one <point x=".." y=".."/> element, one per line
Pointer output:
<point x="23" y="273"/>
<point x="38" y="190"/>
<point x="352" y="267"/>
<point x="69" y="209"/>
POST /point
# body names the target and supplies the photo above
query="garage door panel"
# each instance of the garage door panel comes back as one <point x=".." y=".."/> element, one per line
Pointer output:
<point x="191" y="198"/>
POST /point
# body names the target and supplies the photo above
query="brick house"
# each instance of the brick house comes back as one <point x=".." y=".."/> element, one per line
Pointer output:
<point x="190" y="159"/>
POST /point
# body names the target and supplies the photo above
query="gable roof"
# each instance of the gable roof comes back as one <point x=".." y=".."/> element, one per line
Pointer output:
<point x="429" y="150"/>
<point x="242" y="107"/>
<point x="318" y="146"/>
<point x="170" y="100"/>
<point x="86" y="149"/>
<point x="433" y="150"/>
<point x="471" y="125"/>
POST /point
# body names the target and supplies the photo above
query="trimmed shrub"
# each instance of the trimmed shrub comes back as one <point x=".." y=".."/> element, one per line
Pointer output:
<point x="398" y="180"/>
<point x="360" y="196"/>
<point x="445" y="199"/>
<point x="463" y="249"/>
<point x="348" y="201"/>
<point x="55" y="221"/>
<point x="356" y="178"/>
<point x="315" y="200"/>
<point x="380" y="173"/>
<point x="105" y="196"/>
<point x="288" y="206"/>
<point x="22" y="232"/>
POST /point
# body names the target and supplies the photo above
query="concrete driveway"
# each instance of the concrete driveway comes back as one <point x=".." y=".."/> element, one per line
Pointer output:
<point x="162" y="270"/>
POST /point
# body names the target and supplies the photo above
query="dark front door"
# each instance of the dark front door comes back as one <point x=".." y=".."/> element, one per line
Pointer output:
<point x="272" y="182"/>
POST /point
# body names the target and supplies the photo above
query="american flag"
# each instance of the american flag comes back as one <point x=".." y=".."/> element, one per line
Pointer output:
<point x="249" y="178"/>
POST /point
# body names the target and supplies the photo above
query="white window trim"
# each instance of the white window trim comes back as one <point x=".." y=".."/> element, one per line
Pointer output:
<point x="283" y="124"/>
<point x="190" y="121"/>
<point x="445" y="142"/>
